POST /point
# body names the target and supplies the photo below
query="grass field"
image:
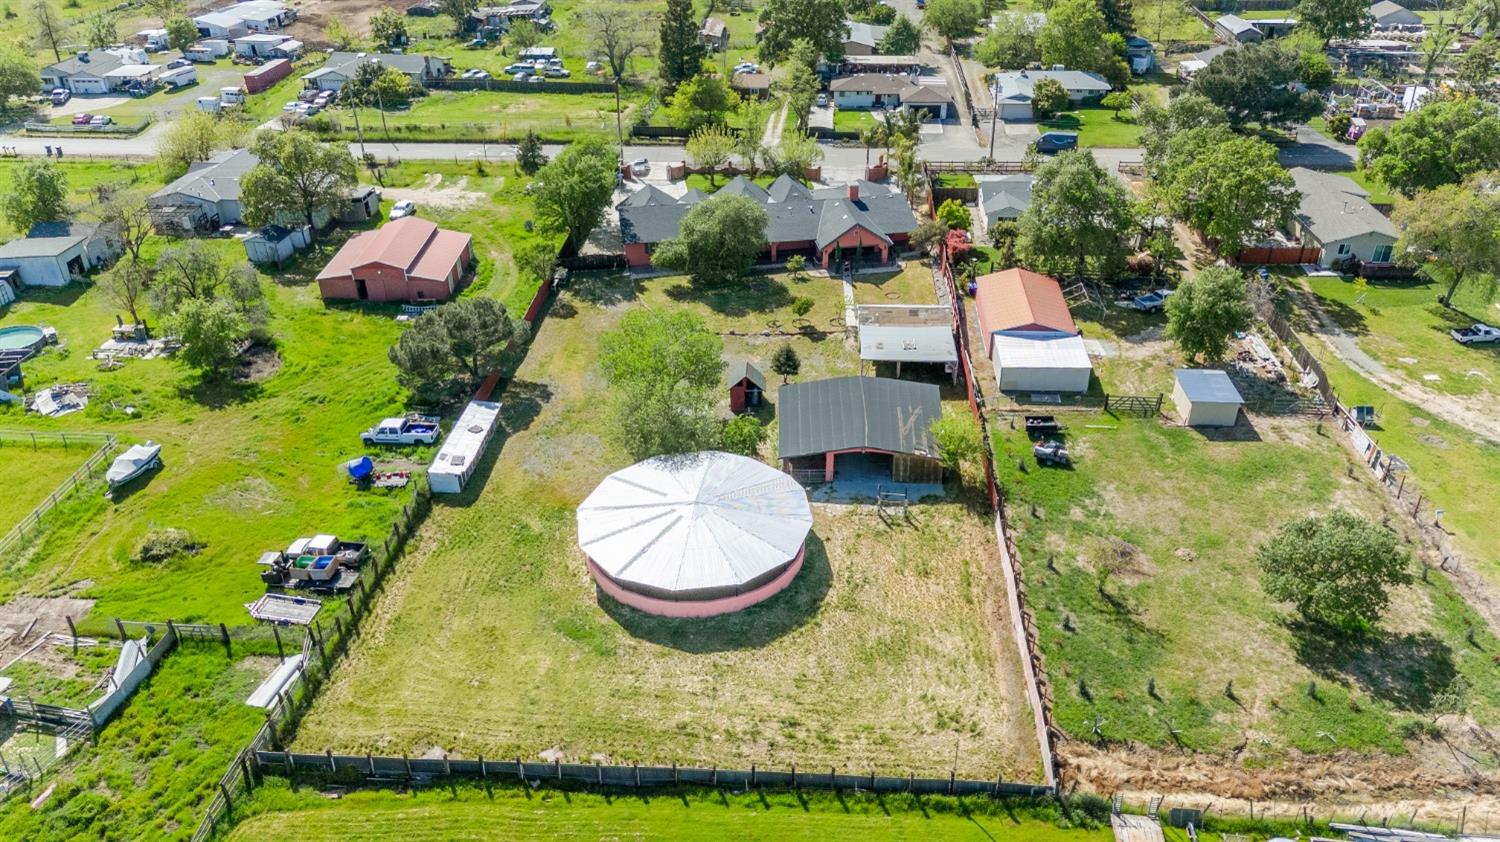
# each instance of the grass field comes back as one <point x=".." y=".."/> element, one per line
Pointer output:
<point x="45" y="467"/>
<point x="1097" y="127"/>
<point x="53" y="675"/>
<point x="154" y="767"/>
<point x="880" y="655"/>
<point x="852" y="120"/>
<point x="489" y="115"/>
<point x="1140" y="563"/>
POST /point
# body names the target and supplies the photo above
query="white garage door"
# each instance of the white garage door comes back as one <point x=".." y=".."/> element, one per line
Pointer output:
<point x="1015" y="111"/>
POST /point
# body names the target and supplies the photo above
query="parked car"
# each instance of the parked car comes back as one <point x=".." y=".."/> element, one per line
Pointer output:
<point x="521" y="76"/>
<point x="1476" y="334"/>
<point x="640" y="166"/>
<point x="477" y="44"/>
<point x="558" y="73"/>
<point x="1152" y="302"/>
<point x="405" y="207"/>
<point x="746" y="67"/>
<point x="518" y="67"/>
<point x="82" y="119"/>
<point x="410" y="429"/>
<point x="101" y="120"/>
<point x="60" y="96"/>
<point x="535" y="80"/>
<point x="178" y="62"/>
<point x="1053" y="142"/>
<point x="822" y="100"/>
<point x="593" y="67"/>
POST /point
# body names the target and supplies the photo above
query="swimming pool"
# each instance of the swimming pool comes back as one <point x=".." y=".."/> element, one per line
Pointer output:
<point x="21" y="338"/>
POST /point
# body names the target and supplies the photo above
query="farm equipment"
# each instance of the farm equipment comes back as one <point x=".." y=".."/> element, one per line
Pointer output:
<point x="1042" y="425"/>
<point x="1051" y="452"/>
<point x="322" y="564"/>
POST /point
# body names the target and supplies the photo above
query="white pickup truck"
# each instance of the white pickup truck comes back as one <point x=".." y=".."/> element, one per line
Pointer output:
<point x="411" y="429"/>
<point x="1476" y="334"/>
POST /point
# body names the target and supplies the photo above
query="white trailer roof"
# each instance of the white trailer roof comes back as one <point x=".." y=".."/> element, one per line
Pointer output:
<point x="466" y="441"/>
<point x="906" y="333"/>
<point x="1040" y="351"/>
<point x="694" y="521"/>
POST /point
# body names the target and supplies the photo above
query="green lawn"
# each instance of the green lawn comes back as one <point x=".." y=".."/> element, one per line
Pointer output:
<point x="696" y="181"/>
<point x="489" y="115"/>
<point x="1097" y="127"/>
<point x="853" y="120"/>
<point x="1379" y="193"/>
<point x="154" y="767"/>
<point x="896" y="617"/>
<point x="1140" y="563"/>
<point x="45" y="466"/>
<point x="58" y="677"/>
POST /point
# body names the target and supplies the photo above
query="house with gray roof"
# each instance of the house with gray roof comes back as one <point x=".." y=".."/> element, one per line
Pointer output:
<point x="864" y="91"/>
<point x="1003" y="197"/>
<point x="857" y="424"/>
<point x="1013" y="89"/>
<point x="205" y="197"/>
<point x="83" y="73"/>
<point x="342" y="67"/>
<point x="54" y="253"/>
<point x="858" y="222"/>
<point x="1388" y="15"/>
<point x="1234" y="29"/>
<point x="863" y="38"/>
<point x="1337" y="217"/>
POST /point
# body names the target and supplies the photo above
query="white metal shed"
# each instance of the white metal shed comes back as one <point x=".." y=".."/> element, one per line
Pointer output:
<point x="1040" y="362"/>
<point x="465" y="444"/>
<point x="1206" y="397"/>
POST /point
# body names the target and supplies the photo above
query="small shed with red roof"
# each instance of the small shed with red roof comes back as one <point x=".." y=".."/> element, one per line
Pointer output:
<point x="1029" y="333"/>
<point x="410" y="259"/>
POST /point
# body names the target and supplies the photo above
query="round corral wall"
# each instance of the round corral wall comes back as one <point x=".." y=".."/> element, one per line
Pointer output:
<point x="697" y="608"/>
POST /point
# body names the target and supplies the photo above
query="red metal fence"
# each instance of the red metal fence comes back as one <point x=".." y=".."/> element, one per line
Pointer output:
<point x="1280" y="255"/>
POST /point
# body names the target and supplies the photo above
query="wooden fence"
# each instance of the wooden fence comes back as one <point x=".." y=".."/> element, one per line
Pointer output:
<point x="455" y="83"/>
<point x="31" y="524"/>
<point x="1279" y="255"/>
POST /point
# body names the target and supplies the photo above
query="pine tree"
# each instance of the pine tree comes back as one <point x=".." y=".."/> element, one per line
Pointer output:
<point x="529" y="157"/>
<point x="681" y="52"/>
<point x="786" y="362"/>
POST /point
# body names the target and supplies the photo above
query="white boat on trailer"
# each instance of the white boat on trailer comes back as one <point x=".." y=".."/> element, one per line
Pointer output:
<point x="139" y="459"/>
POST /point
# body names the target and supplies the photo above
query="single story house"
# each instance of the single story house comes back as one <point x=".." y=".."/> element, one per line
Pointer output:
<point x="276" y="243"/>
<point x="907" y="333"/>
<point x="500" y="17"/>
<point x="1206" y="397"/>
<point x="746" y="387"/>
<point x="714" y="34"/>
<point x="259" y="45"/>
<point x="1276" y="27"/>
<point x="54" y="253"/>
<point x="864" y="423"/>
<point x="1236" y="30"/>
<point x="833" y="224"/>
<point x="1336" y="216"/>
<point x="205" y="197"/>
<point x="84" y="73"/>
<point x="1014" y="89"/>
<point x="757" y="85"/>
<point x="1388" y="15"/>
<point x="410" y="259"/>
<point x="241" y="18"/>
<point x="1029" y="333"/>
<point x="341" y="67"/>
<point x="885" y="91"/>
<point x="1003" y="197"/>
<point x="863" y="38"/>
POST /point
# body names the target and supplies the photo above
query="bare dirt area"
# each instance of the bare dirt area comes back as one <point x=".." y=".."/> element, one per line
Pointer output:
<point x="313" y="18"/>
<point x="51" y="614"/>
<point x="433" y="193"/>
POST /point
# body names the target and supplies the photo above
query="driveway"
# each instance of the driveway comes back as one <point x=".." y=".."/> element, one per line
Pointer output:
<point x="1317" y="151"/>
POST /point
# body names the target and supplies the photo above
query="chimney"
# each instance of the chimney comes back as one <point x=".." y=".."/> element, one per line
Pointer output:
<point x="854" y="192"/>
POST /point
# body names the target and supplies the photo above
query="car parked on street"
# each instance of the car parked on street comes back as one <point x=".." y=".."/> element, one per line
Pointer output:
<point x="1053" y="142"/>
<point x="82" y="119"/>
<point x="640" y="167"/>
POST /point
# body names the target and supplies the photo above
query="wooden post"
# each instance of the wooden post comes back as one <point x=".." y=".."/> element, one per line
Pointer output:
<point x="752" y="776"/>
<point x="637" y="768"/>
<point x="280" y="653"/>
<point x="482" y="772"/>
<point x="332" y="767"/>
<point x="674" y="773"/>
<point x="447" y="766"/>
<point x="370" y="763"/>
<point x="224" y="633"/>
<point x="598" y="767"/>
<point x="74" y="629"/>
<point x="794" y="776"/>
<point x="121" y="626"/>
<point x="407" y="761"/>
<point x="520" y="768"/>
<point x="245" y="768"/>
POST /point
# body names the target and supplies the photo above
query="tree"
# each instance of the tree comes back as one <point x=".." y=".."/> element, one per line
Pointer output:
<point x="389" y="27"/>
<point x="18" y="76"/>
<point x="377" y="85"/>
<point x="664" y="371"/>
<point x="1434" y="46"/>
<point x="1159" y="19"/>
<point x="926" y="236"/>
<point x="50" y="29"/>
<point x="820" y="22"/>
<point x="1477" y="65"/>
<point x="902" y="39"/>
<point x="164" y="10"/>
<point x="785" y="362"/>
<point x="38" y="193"/>
<point x="459" y="11"/>
<point x="1451" y="230"/>
<point x="523" y="34"/>
<point x="704" y="100"/>
<point x="1206" y="311"/>
<point x="535" y="260"/>
<point x="1443" y="142"/>
<point x="954" y="215"/>
<point x="1076" y="36"/>
<point x="1228" y="187"/>
<point x="102" y="30"/>
<point x="907" y="169"/>
<point x="195" y="271"/>
<point x="296" y="175"/>
<point x="1182" y="113"/>
<point x="719" y="239"/>
<point x="744" y="434"/>
<point x="460" y="342"/>
<point x="339" y="34"/>
<point x="529" y="155"/>
<point x="1078" y="214"/>
<point x="128" y="216"/>
<point x="1336" y="570"/>
<point x="681" y="52"/>
<point x="958" y="441"/>
<point x="1048" y="97"/>
<point x="1117" y="101"/>
<point x="181" y="32"/>
<point x="952" y="19"/>
<point x="575" y="188"/>
<point x="1004" y="235"/>
<point x="1119" y="16"/>
<point x="1484" y="13"/>
<point x="1011" y="43"/>
<point x="124" y="284"/>
<point x="616" y="31"/>
<point x="1257" y="83"/>
<point x="1331" y="19"/>
<point x="710" y="148"/>
<point x="211" y="332"/>
<point x="191" y="138"/>
<point x="749" y="143"/>
<point x="799" y="84"/>
<point x="796" y="153"/>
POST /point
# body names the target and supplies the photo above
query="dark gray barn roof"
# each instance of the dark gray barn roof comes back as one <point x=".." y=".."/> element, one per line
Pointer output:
<point x="857" y="413"/>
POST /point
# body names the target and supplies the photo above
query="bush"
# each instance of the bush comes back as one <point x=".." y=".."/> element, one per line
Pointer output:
<point x="164" y="545"/>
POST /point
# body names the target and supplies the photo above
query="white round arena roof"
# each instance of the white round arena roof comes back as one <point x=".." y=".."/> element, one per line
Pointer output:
<point x="702" y="522"/>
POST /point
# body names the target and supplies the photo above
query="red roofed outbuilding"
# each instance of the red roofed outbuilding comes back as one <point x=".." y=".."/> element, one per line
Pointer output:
<point x="410" y="259"/>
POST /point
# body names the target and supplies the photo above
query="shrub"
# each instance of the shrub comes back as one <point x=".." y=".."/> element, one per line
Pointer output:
<point x="160" y="545"/>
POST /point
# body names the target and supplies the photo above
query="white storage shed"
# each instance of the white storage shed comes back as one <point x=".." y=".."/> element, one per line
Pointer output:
<point x="1040" y="362"/>
<point x="463" y="448"/>
<point x="1206" y="397"/>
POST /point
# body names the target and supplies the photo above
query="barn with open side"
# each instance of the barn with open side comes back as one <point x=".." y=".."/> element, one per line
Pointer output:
<point x="695" y="534"/>
<point x="859" y="427"/>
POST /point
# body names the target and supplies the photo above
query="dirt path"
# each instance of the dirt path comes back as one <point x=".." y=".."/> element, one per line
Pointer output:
<point x="1475" y="419"/>
<point x="775" y="125"/>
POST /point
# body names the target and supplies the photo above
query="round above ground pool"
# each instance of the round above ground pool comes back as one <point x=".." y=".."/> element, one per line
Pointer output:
<point x="22" y="338"/>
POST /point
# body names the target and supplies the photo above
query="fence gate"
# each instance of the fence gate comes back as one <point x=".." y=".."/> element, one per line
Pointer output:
<point x="1146" y="407"/>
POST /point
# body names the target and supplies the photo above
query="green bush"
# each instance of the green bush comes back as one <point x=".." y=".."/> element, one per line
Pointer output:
<point x="160" y="545"/>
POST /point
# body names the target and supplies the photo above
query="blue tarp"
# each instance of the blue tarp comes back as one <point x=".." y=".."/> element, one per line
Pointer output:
<point x="360" y="468"/>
